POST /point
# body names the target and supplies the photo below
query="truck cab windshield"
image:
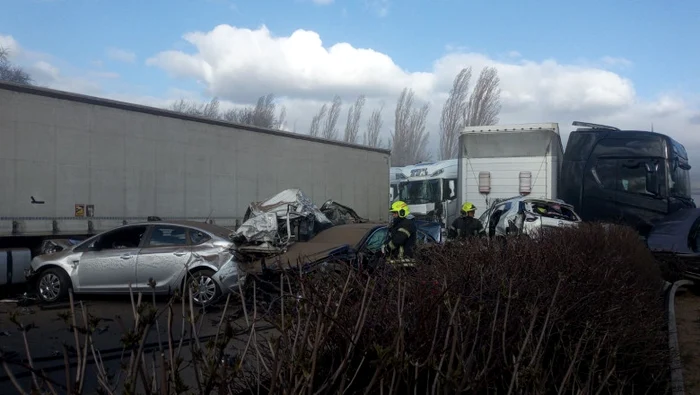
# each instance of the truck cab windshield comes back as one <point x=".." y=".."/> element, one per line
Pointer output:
<point x="420" y="192"/>
<point x="679" y="182"/>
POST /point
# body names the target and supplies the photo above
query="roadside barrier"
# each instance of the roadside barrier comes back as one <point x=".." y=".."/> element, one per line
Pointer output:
<point x="677" y="386"/>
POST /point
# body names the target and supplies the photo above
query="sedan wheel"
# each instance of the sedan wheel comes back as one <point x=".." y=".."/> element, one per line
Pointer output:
<point x="203" y="287"/>
<point x="52" y="285"/>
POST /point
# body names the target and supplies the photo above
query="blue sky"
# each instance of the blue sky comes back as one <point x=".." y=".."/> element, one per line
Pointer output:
<point x="631" y="63"/>
<point x="660" y="38"/>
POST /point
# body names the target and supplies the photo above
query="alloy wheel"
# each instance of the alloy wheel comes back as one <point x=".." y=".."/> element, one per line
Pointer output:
<point x="203" y="289"/>
<point x="49" y="287"/>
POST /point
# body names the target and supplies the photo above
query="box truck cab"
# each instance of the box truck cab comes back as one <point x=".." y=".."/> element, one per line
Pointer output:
<point x="430" y="190"/>
<point x="628" y="176"/>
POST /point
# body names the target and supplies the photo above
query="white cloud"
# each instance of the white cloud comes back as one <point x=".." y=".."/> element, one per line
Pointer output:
<point x="239" y="65"/>
<point x="9" y="44"/>
<point x="616" y="61"/>
<point x="121" y="55"/>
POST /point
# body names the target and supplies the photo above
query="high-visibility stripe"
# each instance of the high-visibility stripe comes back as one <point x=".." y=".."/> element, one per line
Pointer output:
<point x="405" y="231"/>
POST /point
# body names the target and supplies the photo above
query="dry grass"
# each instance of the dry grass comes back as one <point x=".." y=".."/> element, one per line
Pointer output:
<point x="578" y="312"/>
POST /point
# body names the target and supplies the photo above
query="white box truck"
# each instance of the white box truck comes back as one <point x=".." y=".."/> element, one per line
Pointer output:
<point x="504" y="161"/>
<point x="74" y="165"/>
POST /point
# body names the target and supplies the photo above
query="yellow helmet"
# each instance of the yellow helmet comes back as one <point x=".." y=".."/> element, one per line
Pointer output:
<point x="468" y="206"/>
<point x="401" y="208"/>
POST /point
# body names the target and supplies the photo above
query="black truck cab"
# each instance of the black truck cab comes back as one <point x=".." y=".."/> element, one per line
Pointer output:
<point x="624" y="176"/>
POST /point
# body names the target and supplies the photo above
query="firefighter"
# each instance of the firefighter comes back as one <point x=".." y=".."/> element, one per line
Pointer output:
<point x="402" y="233"/>
<point x="465" y="225"/>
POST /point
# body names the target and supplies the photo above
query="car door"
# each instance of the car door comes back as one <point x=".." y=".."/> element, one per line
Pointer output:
<point x="109" y="264"/>
<point x="163" y="258"/>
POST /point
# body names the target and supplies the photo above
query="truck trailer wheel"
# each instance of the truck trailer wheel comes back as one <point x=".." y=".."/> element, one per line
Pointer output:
<point x="205" y="290"/>
<point x="52" y="285"/>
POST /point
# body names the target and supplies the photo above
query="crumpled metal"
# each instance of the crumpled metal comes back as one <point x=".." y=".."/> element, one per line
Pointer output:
<point x="266" y="221"/>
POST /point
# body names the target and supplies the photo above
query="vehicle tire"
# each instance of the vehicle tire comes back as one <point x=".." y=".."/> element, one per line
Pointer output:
<point x="52" y="285"/>
<point x="205" y="290"/>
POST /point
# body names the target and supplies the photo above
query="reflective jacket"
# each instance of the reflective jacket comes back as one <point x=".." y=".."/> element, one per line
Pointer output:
<point x="402" y="238"/>
<point x="463" y="227"/>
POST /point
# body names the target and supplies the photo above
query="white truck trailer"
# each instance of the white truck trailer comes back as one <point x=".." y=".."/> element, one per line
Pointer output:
<point x="504" y="161"/>
<point x="74" y="165"/>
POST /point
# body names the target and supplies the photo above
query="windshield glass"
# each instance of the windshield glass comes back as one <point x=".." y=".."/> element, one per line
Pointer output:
<point x="420" y="192"/>
<point x="679" y="184"/>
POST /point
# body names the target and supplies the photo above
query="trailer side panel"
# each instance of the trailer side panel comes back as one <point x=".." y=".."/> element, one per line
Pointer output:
<point x="65" y="157"/>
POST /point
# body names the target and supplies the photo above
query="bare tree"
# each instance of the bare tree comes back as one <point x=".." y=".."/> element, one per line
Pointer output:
<point x="282" y="119"/>
<point x="211" y="109"/>
<point x="374" y="126"/>
<point x="485" y="101"/>
<point x="352" y="126"/>
<point x="315" y="127"/>
<point x="12" y="73"/>
<point x="330" y="131"/>
<point x="452" y="117"/>
<point x="206" y="110"/>
<point x="261" y="115"/>
<point x="409" y="141"/>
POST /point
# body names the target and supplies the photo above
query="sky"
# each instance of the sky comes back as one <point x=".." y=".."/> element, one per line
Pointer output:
<point x="628" y="63"/>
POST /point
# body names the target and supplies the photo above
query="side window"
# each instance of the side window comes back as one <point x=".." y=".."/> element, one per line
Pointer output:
<point x="375" y="241"/>
<point x="167" y="236"/>
<point x="449" y="188"/>
<point x="605" y="173"/>
<point x="129" y="237"/>
<point x="632" y="177"/>
<point x="198" y="237"/>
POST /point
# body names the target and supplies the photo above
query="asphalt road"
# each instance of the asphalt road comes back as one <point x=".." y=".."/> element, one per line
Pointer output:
<point x="51" y="332"/>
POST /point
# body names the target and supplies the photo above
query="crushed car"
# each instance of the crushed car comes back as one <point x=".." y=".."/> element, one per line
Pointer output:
<point x="156" y="256"/>
<point x="527" y="216"/>
<point x="675" y="242"/>
<point x="49" y="246"/>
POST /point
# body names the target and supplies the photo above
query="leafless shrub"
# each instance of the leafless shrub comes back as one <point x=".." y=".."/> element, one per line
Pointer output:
<point x="189" y="107"/>
<point x="263" y="114"/>
<point x="578" y="311"/>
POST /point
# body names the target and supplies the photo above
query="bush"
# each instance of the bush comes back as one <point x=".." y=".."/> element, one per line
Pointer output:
<point x="577" y="311"/>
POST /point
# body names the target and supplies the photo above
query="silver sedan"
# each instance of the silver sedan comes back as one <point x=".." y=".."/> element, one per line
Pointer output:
<point x="154" y="256"/>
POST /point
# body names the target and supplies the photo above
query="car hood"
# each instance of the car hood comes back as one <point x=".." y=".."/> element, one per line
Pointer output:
<point x="298" y="253"/>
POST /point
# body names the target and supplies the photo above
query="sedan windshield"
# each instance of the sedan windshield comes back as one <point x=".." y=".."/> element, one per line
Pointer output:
<point x="420" y="192"/>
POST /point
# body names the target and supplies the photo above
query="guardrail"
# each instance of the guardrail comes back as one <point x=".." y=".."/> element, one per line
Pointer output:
<point x="677" y="385"/>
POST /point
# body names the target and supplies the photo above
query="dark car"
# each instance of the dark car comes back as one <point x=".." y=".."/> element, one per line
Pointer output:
<point x="676" y="240"/>
<point x="353" y="244"/>
<point x="338" y="248"/>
